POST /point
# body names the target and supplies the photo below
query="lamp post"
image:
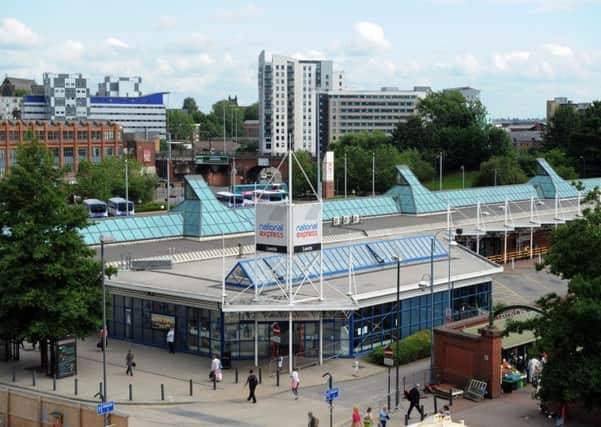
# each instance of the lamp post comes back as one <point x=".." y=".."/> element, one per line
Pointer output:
<point x="462" y="176"/>
<point x="126" y="153"/>
<point x="398" y="316"/>
<point x="440" y="171"/>
<point x="345" y="174"/>
<point x="104" y="239"/>
<point x="373" y="174"/>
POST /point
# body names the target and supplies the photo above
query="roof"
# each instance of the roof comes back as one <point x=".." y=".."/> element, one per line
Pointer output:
<point x="124" y="229"/>
<point x="484" y="195"/>
<point x="20" y="83"/>
<point x="549" y="184"/>
<point x="362" y="206"/>
<point x="514" y="339"/>
<point x="412" y="196"/>
<point x="150" y="99"/>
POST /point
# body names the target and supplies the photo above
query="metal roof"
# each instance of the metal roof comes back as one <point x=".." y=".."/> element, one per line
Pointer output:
<point x="271" y="270"/>
<point x="125" y="229"/>
<point x="362" y="206"/>
<point x="412" y="196"/>
<point x="485" y="195"/>
<point x="549" y="184"/>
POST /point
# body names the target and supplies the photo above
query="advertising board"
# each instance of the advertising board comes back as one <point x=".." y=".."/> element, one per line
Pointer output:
<point x="272" y="227"/>
<point x="162" y="322"/>
<point x="306" y="227"/>
<point x="328" y="167"/>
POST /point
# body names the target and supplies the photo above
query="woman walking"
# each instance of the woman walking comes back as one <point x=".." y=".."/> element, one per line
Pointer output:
<point x="384" y="417"/>
<point x="356" y="418"/>
<point x="295" y="383"/>
<point x="368" y="420"/>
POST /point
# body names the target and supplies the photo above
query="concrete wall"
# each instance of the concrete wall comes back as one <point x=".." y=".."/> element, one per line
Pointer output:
<point x="23" y="409"/>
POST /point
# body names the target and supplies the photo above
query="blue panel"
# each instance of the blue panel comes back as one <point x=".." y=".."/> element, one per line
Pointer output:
<point x="151" y="99"/>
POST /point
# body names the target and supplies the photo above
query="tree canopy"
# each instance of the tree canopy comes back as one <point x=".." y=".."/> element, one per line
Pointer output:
<point x="49" y="281"/>
<point x="180" y="124"/>
<point x="501" y="170"/>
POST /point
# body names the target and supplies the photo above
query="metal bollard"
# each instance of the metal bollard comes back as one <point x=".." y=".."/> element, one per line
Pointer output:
<point x="451" y="397"/>
<point x="236" y="375"/>
<point x="14" y="374"/>
<point x="33" y="377"/>
<point x="131" y="392"/>
<point x="277" y="377"/>
<point x="162" y="392"/>
<point x="214" y="382"/>
<point x="435" y="404"/>
<point x="54" y="382"/>
<point x="75" y="386"/>
<point x="406" y="420"/>
<point x="100" y="388"/>
<point x="190" y="387"/>
<point x="260" y="376"/>
<point x="422" y="413"/>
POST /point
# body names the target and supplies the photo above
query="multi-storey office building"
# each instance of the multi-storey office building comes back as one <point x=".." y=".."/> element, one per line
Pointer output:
<point x="288" y="108"/>
<point x="351" y="111"/>
<point x="469" y="93"/>
<point x="67" y="96"/>
<point x="70" y="142"/>
<point x="120" y="86"/>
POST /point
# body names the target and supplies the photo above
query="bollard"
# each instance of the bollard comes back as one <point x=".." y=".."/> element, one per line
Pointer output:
<point x="75" y="386"/>
<point x="162" y="392"/>
<point x="406" y="420"/>
<point x="54" y="382"/>
<point x="214" y="382"/>
<point x="513" y="263"/>
<point x="33" y="378"/>
<point x="131" y="392"/>
<point x="277" y="377"/>
<point x="388" y="395"/>
<point x="100" y="388"/>
<point x="435" y="404"/>
<point x="190" y="387"/>
<point x="260" y="376"/>
<point x="421" y="414"/>
<point x="14" y="374"/>
<point x="236" y="375"/>
<point x="451" y="396"/>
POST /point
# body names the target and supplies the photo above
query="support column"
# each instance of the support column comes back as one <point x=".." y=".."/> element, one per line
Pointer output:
<point x="290" y="347"/>
<point x="256" y="341"/>
<point x="320" y="338"/>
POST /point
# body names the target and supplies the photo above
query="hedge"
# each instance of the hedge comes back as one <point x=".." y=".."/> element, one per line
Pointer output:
<point x="410" y="349"/>
<point x="151" y="207"/>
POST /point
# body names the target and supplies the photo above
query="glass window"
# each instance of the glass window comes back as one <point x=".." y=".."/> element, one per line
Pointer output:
<point x="68" y="157"/>
<point x="82" y="134"/>
<point x="96" y="156"/>
<point x="109" y="151"/>
<point x="2" y="162"/>
<point x="82" y="153"/>
<point x="68" y="135"/>
<point x="13" y="157"/>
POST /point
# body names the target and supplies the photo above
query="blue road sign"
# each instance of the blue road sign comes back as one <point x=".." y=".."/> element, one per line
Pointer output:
<point x="332" y="393"/>
<point x="105" y="408"/>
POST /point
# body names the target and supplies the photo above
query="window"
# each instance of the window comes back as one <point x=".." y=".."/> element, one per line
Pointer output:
<point x="13" y="157"/>
<point x="82" y="135"/>
<point x="82" y="153"/>
<point x="96" y="135"/>
<point x="68" y="157"/>
<point x="68" y="135"/>
<point x="2" y="162"/>
<point x="96" y="155"/>
<point x="109" y="152"/>
<point x="41" y="135"/>
<point x="52" y="135"/>
<point x="2" y="135"/>
<point x="13" y="135"/>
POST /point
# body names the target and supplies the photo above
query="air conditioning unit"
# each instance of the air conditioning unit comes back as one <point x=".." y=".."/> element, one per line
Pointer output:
<point x="346" y="219"/>
<point x="336" y="221"/>
<point x="356" y="219"/>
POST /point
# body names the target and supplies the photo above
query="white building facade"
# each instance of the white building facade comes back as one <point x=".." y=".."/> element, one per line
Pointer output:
<point x="124" y="87"/>
<point x="288" y="101"/>
<point x="469" y="93"/>
<point x="67" y="96"/>
<point x="10" y="107"/>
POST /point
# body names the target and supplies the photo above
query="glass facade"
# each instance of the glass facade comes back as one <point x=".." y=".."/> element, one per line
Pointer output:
<point x="204" y="331"/>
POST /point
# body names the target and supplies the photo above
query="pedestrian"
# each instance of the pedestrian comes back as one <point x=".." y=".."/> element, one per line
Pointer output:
<point x="129" y="361"/>
<point x="313" y="420"/>
<point x="295" y="382"/>
<point x="356" y="417"/>
<point x="384" y="417"/>
<point x="216" y="369"/>
<point x="533" y="366"/>
<point x="252" y="382"/>
<point x="171" y="340"/>
<point x="414" y="397"/>
<point x="446" y="411"/>
<point x="368" y="419"/>
<point x="103" y="338"/>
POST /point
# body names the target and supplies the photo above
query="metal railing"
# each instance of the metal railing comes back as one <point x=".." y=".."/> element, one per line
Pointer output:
<point x="521" y="254"/>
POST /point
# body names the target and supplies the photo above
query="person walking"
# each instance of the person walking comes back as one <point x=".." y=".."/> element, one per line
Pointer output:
<point x="171" y="340"/>
<point x="414" y="397"/>
<point x="356" y="417"/>
<point x="368" y="419"/>
<point x="252" y="382"/>
<point x="313" y="420"/>
<point x="216" y="369"/>
<point x="103" y="336"/>
<point x="129" y="360"/>
<point x="384" y="416"/>
<point x="295" y="382"/>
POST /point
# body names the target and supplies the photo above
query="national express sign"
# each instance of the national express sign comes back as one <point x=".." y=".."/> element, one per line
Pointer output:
<point x="272" y="227"/>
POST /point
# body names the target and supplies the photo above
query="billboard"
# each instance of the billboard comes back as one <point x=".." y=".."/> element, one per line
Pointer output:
<point x="328" y="167"/>
<point x="272" y="226"/>
<point x="306" y="227"/>
<point x="161" y="322"/>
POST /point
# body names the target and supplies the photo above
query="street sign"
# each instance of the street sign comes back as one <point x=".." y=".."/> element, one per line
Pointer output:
<point x="105" y="408"/>
<point x="388" y="357"/>
<point x="332" y="393"/>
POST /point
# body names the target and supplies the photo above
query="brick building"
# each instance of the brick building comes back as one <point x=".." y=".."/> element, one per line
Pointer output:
<point x="70" y="142"/>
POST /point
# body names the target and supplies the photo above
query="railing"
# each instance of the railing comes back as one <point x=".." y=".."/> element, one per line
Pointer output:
<point x="521" y="254"/>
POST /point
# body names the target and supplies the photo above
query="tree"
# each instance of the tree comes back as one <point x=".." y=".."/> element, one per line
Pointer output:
<point x="561" y="127"/>
<point x="501" y="170"/>
<point x="180" y="124"/>
<point x="573" y="370"/>
<point x="251" y="112"/>
<point x="107" y="179"/>
<point x="190" y="105"/>
<point x="248" y="146"/>
<point x="300" y="185"/>
<point x="49" y="281"/>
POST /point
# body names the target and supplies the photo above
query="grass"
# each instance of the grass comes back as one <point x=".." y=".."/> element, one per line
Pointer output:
<point x="452" y="181"/>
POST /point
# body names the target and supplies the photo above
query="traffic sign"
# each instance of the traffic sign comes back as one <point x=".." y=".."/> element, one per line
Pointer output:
<point x="388" y="357"/>
<point x="105" y="408"/>
<point x="332" y="393"/>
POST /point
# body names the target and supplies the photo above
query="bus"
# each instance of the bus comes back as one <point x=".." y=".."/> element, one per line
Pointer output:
<point x="96" y="208"/>
<point x="230" y="199"/>
<point x="117" y="207"/>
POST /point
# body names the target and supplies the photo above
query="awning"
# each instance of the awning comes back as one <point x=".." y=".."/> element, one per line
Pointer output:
<point x="514" y="339"/>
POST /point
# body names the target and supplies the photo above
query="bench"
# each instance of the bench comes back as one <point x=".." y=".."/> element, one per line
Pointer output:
<point x="475" y="390"/>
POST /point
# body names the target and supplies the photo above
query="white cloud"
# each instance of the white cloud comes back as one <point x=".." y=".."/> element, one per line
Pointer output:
<point x="14" y="33"/>
<point x="71" y="50"/>
<point x="557" y="50"/>
<point x="370" y="36"/>
<point x="244" y="12"/>
<point x="468" y="63"/>
<point x="504" y="61"/>
<point x="116" y="43"/>
<point x="167" y="22"/>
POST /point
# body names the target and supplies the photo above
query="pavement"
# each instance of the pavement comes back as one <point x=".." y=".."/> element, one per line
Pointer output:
<point x="227" y="405"/>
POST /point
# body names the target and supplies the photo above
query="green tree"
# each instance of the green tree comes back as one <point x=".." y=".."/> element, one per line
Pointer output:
<point x="49" y="281"/>
<point x="190" y="106"/>
<point x="248" y="146"/>
<point x="300" y="185"/>
<point x="561" y="128"/>
<point x="180" y="124"/>
<point x="506" y="169"/>
<point x="251" y="112"/>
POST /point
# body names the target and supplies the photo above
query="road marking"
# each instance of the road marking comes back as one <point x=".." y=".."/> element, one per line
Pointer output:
<point x="509" y="290"/>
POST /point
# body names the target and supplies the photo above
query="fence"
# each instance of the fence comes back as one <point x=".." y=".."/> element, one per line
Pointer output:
<point x="521" y="254"/>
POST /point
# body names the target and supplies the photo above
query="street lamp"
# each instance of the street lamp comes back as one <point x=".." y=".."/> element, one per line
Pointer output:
<point x="104" y="239"/>
<point x="398" y="260"/>
<point x="126" y="153"/>
<point x="462" y="176"/>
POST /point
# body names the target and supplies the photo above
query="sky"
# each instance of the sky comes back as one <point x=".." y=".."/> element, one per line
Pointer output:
<point x="519" y="53"/>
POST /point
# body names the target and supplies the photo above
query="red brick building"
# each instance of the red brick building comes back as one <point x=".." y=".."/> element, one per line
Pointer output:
<point x="70" y="142"/>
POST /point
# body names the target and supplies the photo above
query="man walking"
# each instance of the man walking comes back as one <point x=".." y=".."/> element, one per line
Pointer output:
<point x="414" y="397"/>
<point x="171" y="340"/>
<point x="129" y="360"/>
<point x="313" y="420"/>
<point x="252" y="382"/>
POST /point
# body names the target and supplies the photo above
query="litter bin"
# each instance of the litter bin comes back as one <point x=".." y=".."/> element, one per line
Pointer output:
<point x="507" y="386"/>
<point x="226" y="359"/>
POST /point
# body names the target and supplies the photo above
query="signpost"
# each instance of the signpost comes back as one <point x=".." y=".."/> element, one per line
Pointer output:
<point x="331" y="394"/>
<point x="105" y="408"/>
<point x="388" y="356"/>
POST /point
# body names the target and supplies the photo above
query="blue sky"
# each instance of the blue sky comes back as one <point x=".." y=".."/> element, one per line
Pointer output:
<point x="518" y="52"/>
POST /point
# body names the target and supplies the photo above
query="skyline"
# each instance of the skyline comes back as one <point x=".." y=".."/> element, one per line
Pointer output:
<point x="519" y="53"/>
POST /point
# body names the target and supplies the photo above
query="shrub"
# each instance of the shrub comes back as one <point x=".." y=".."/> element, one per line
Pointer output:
<point x="410" y="349"/>
<point x="151" y="207"/>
